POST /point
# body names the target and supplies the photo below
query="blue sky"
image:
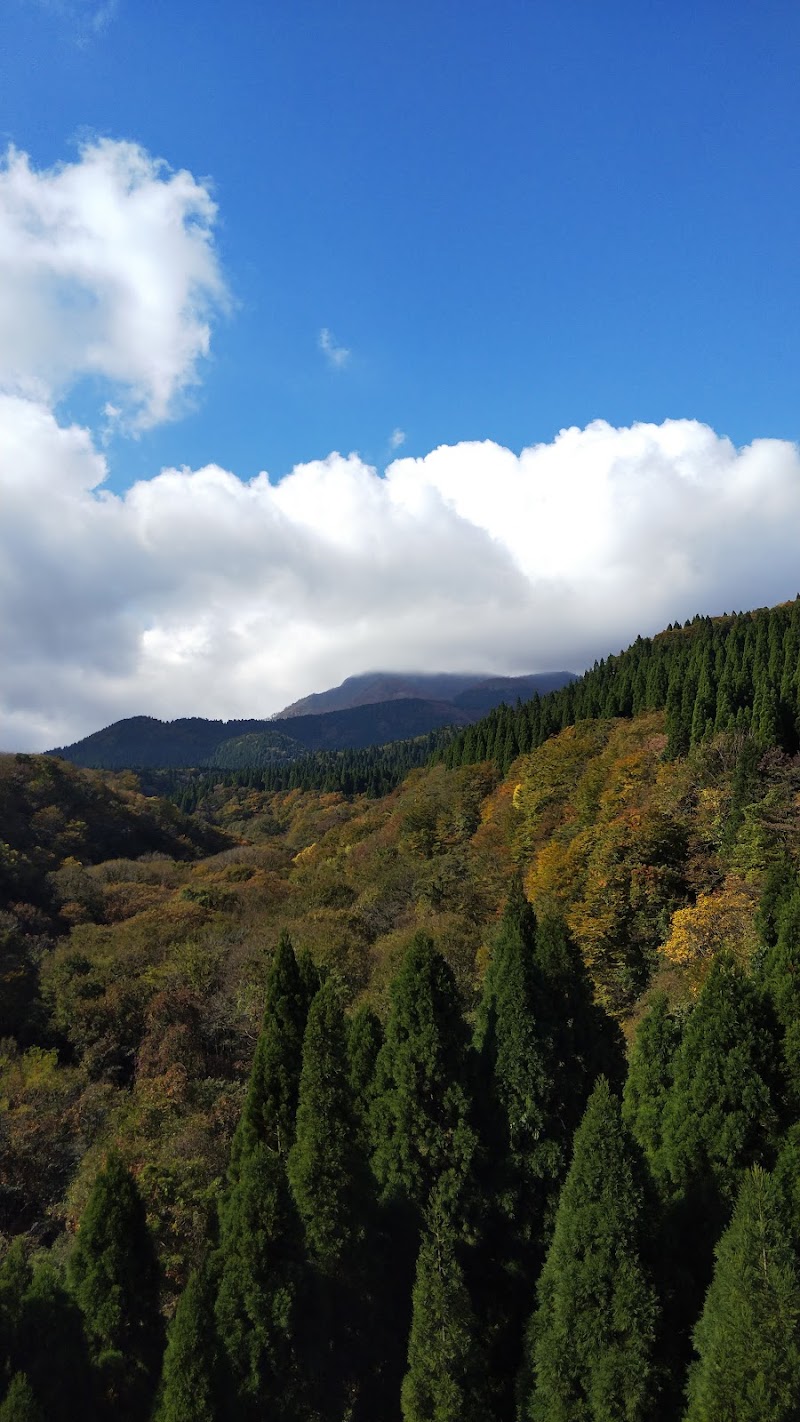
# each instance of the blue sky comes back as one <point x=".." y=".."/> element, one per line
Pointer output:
<point x="530" y="268"/>
<point x="517" y="216"/>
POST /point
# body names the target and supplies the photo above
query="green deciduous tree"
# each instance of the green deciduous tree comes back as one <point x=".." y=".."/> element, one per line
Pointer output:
<point x="748" y="1338"/>
<point x="592" y="1337"/>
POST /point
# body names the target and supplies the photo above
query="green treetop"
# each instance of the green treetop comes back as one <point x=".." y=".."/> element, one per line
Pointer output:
<point x="113" y="1276"/>
<point x="421" y="1123"/>
<point x="721" y="1114"/>
<point x="190" y="1378"/>
<point x="592" y="1337"/>
<point x="781" y="977"/>
<point x="261" y="1279"/>
<point x="748" y="1338"/>
<point x="446" y="1377"/>
<point x="327" y="1171"/>
<point x="270" y="1106"/>
<point x="650" y="1076"/>
<point x="364" y="1041"/>
<point x="20" y="1403"/>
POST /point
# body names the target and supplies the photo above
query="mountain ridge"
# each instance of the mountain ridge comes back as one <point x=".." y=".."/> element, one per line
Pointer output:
<point x="194" y="741"/>
<point x="459" y="688"/>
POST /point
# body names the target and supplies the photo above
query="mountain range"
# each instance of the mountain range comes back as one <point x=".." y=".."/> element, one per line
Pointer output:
<point x="367" y="710"/>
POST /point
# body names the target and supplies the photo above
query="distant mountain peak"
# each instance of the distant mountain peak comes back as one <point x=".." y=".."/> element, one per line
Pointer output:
<point x="369" y="688"/>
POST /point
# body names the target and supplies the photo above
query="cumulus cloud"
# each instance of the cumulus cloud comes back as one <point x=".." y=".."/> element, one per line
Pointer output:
<point x="336" y="355"/>
<point x="198" y="593"/>
<point x="107" y="269"/>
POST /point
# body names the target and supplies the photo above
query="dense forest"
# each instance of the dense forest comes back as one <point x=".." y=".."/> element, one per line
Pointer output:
<point x="739" y="671"/>
<point x="475" y="1099"/>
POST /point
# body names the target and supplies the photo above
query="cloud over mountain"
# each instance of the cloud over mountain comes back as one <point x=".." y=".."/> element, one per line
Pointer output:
<point x="197" y="592"/>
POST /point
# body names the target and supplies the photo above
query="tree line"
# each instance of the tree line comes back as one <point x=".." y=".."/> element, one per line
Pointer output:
<point x="739" y="671"/>
<point x="371" y="770"/>
<point x="445" y="1221"/>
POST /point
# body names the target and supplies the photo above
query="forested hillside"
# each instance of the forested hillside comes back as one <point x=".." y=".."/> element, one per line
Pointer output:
<point x="739" y="671"/>
<point x="476" y="1100"/>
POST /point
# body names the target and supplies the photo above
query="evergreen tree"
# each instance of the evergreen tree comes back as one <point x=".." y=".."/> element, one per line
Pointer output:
<point x="113" y="1276"/>
<point x="364" y="1041"/>
<point x="781" y="977"/>
<point x="721" y="1114"/>
<point x="445" y="1381"/>
<point x="15" y="1279"/>
<point x="330" y="1180"/>
<point x="542" y="1040"/>
<point x="421" y="1118"/>
<point x="592" y="1337"/>
<point x="20" y="1404"/>
<point x="327" y="1171"/>
<point x="190" y="1379"/>
<point x="260" y="1296"/>
<point x="270" y="1106"/>
<point x="517" y="1062"/>
<point x="51" y="1348"/>
<point x="748" y="1338"/>
<point x="650" y="1077"/>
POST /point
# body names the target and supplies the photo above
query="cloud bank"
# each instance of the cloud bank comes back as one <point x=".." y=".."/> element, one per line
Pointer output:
<point x="198" y="593"/>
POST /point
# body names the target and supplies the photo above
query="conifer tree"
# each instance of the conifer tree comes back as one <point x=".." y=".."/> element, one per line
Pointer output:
<point x="190" y="1382"/>
<point x="650" y="1077"/>
<point x="445" y="1380"/>
<point x="721" y="1114"/>
<point x="270" y="1106"/>
<point x="333" y="1190"/>
<point x="748" y="1338"/>
<point x="261" y="1289"/>
<point x="543" y="1041"/>
<point x="781" y="977"/>
<point x="51" y="1347"/>
<point x="327" y="1171"/>
<point x="517" y="1062"/>
<point x="592" y="1338"/>
<point x="364" y="1041"/>
<point x="20" y="1403"/>
<point x="113" y="1276"/>
<point x="15" y="1279"/>
<point x="421" y="1118"/>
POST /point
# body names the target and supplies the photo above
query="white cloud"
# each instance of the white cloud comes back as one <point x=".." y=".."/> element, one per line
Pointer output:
<point x="397" y="438"/>
<point x="337" y="355"/>
<point x="107" y="269"/>
<point x="198" y="593"/>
